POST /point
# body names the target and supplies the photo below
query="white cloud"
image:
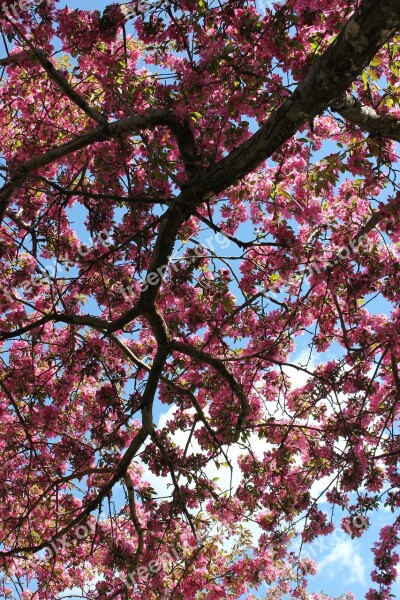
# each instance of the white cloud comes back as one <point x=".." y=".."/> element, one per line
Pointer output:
<point x="299" y="378"/>
<point x="228" y="478"/>
<point x="344" y="557"/>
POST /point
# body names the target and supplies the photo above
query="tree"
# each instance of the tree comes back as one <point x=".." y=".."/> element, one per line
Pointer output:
<point x="189" y="196"/>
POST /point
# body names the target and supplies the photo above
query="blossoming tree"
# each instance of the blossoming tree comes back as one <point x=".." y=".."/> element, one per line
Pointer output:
<point x="188" y="197"/>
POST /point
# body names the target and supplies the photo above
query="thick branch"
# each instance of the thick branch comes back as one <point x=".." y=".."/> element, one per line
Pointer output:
<point x="68" y="90"/>
<point x="121" y="469"/>
<point x="379" y="125"/>
<point x="60" y="80"/>
<point x="16" y="59"/>
<point x="187" y="146"/>
<point x="101" y="133"/>
<point x="371" y="26"/>
<point x="81" y="320"/>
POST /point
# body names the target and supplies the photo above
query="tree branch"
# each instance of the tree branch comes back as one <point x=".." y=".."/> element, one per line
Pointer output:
<point x="68" y="90"/>
<point x="15" y="59"/>
<point x="121" y="469"/>
<point x="172" y="385"/>
<point x="220" y="367"/>
<point x="60" y="80"/>
<point x="135" y="520"/>
<point x="379" y="125"/>
<point x="370" y="27"/>
<point x="101" y="133"/>
<point x="82" y="320"/>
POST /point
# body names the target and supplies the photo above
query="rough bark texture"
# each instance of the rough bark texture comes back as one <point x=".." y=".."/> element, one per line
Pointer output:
<point x="371" y="26"/>
<point x="368" y="119"/>
<point x="328" y="78"/>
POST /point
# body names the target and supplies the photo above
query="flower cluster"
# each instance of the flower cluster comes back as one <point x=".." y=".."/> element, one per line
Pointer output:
<point x="79" y="533"/>
<point x="49" y="271"/>
<point x="155" y="277"/>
